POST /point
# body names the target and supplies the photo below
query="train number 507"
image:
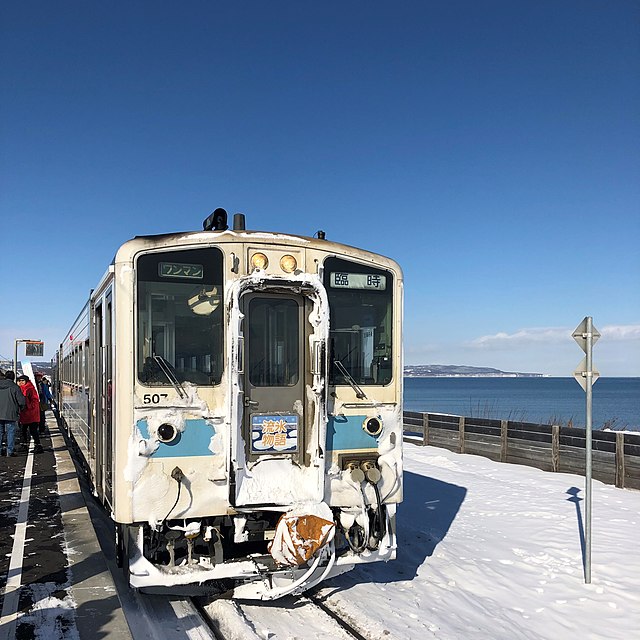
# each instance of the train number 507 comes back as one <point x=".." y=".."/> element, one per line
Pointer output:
<point x="154" y="398"/>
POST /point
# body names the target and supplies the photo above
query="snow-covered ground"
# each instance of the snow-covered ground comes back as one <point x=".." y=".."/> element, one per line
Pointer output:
<point x="486" y="551"/>
<point x="495" y="551"/>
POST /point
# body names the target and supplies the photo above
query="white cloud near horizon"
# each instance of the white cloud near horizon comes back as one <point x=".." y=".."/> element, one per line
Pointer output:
<point x="550" y="335"/>
<point x="548" y="350"/>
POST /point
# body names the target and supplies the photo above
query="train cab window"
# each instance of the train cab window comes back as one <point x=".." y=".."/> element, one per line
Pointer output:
<point x="179" y="317"/>
<point x="273" y="333"/>
<point x="360" y="325"/>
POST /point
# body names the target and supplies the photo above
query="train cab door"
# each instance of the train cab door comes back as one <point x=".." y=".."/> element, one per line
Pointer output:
<point x="102" y="432"/>
<point x="278" y="431"/>
<point x="97" y="421"/>
<point x="107" y="405"/>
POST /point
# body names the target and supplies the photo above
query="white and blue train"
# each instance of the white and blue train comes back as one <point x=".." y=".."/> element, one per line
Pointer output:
<point x="236" y="398"/>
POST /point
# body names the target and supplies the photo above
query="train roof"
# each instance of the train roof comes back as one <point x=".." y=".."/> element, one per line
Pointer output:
<point x="320" y="243"/>
<point x="216" y="231"/>
<point x="248" y="232"/>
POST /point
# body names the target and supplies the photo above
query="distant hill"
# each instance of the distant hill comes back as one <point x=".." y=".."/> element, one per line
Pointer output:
<point x="454" y="370"/>
<point x="410" y="371"/>
<point x="43" y="367"/>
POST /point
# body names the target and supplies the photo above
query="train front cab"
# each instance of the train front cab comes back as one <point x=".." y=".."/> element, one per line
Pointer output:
<point x="260" y="392"/>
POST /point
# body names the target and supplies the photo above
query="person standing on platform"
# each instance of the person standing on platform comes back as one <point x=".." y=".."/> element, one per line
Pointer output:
<point x="47" y="391"/>
<point x="12" y="401"/>
<point x="45" y="400"/>
<point x="30" y="415"/>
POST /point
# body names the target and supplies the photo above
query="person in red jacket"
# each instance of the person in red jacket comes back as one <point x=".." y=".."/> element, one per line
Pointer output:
<point x="30" y="415"/>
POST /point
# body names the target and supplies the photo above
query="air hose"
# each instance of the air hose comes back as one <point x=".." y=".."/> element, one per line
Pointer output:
<point x="358" y="546"/>
<point x="177" y="475"/>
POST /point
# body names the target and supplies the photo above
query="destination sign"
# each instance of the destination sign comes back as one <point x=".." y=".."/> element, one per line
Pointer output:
<point x="345" y="280"/>
<point x="181" y="270"/>
<point x="274" y="433"/>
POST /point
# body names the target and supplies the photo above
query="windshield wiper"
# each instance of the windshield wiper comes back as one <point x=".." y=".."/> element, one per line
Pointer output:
<point x="349" y="378"/>
<point x="165" y="367"/>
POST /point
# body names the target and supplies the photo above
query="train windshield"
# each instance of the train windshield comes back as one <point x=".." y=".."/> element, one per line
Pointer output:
<point x="360" y="303"/>
<point x="179" y="319"/>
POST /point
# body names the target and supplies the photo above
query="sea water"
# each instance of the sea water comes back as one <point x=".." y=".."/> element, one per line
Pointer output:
<point x="616" y="401"/>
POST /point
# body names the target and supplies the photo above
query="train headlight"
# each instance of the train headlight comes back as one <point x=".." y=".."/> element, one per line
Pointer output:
<point x="372" y="426"/>
<point x="259" y="261"/>
<point x="288" y="263"/>
<point x="167" y="433"/>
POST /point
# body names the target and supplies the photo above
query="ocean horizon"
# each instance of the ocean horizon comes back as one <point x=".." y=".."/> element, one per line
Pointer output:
<point x="543" y="400"/>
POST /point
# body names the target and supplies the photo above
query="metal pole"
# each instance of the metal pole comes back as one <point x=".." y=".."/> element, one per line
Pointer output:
<point x="15" y="358"/>
<point x="588" y="427"/>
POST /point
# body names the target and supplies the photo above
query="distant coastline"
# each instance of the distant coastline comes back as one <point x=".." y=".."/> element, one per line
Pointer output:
<point x="462" y="371"/>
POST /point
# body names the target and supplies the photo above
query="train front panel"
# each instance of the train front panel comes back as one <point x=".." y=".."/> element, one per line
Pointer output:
<point x="256" y="392"/>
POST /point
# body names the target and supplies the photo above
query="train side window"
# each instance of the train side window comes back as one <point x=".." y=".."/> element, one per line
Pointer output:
<point x="361" y="322"/>
<point x="180" y="317"/>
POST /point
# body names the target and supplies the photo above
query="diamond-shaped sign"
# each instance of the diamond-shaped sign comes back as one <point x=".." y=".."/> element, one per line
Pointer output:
<point x="580" y="374"/>
<point x="580" y="335"/>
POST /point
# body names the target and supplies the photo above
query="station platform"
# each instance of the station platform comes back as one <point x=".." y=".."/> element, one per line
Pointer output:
<point x="55" y="580"/>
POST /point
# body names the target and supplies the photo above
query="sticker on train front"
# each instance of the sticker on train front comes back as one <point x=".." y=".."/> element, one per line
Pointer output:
<point x="274" y="433"/>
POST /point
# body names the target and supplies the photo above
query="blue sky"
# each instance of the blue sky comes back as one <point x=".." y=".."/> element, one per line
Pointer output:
<point x="491" y="148"/>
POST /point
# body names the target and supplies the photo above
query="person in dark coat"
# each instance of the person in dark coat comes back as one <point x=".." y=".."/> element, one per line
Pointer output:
<point x="45" y="400"/>
<point x="12" y="401"/>
<point x="30" y="415"/>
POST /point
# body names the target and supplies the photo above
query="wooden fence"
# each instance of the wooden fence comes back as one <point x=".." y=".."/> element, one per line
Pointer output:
<point x="615" y="455"/>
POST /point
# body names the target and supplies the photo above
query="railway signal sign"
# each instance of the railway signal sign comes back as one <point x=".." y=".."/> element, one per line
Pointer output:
<point x="580" y="335"/>
<point x="581" y="374"/>
<point x="586" y="335"/>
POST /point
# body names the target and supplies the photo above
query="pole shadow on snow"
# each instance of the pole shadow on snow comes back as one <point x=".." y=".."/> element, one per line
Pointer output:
<point x="423" y="520"/>
<point x="573" y="492"/>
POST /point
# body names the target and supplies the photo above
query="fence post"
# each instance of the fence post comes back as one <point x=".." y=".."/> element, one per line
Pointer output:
<point x="504" y="443"/>
<point x="620" y="459"/>
<point x="425" y="429"/>
<point x="461" y="433"/>
<point x="555" y="447"/>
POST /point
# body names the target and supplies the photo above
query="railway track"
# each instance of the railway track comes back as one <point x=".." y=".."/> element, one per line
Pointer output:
<point x="290" y="618"/>
<point x="302" y="618"/>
